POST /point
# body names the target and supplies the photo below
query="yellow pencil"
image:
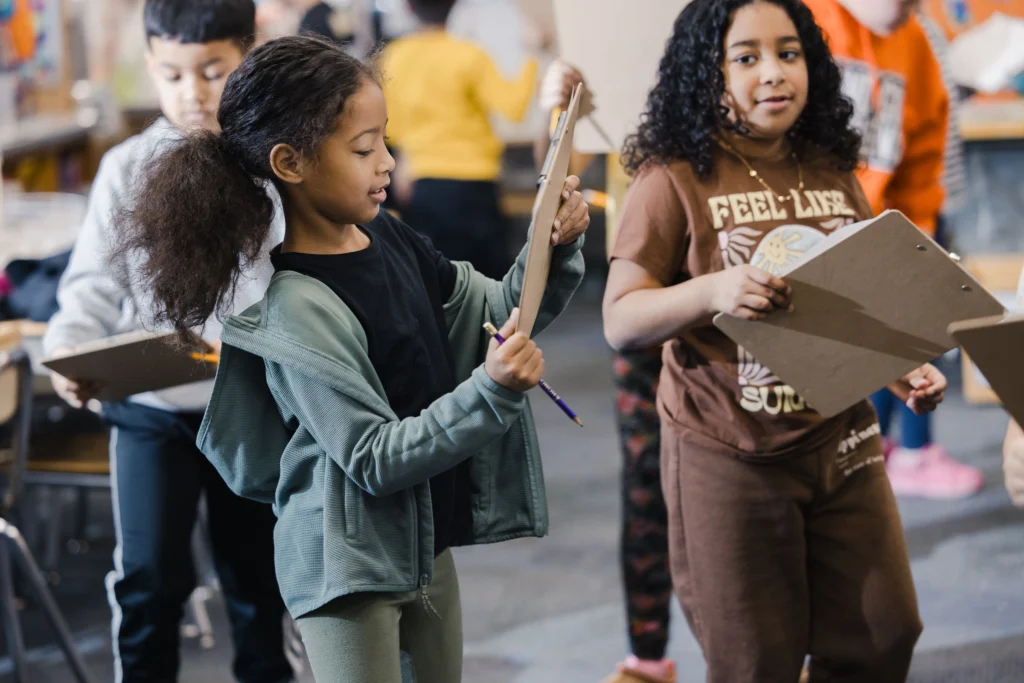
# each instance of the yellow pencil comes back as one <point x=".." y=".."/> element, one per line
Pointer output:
<point x="206" y="357"/>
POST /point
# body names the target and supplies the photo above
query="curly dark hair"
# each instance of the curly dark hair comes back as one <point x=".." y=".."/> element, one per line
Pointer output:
<point x="684" y="109"/>
<point x="200" y="213"/>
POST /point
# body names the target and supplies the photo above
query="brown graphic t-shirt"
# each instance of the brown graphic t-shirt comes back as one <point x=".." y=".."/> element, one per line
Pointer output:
<point x="678" y="227"/>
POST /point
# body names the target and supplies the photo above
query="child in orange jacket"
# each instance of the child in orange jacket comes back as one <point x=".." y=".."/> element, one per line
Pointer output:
<point x="901" y="107"/>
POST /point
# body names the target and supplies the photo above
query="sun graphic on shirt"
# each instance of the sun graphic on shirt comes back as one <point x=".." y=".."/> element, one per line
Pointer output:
<point x="784" y="247"/>
<point x="737" y="245"/>
<point x="752" y="373"/>
<point x="777" y="251"/>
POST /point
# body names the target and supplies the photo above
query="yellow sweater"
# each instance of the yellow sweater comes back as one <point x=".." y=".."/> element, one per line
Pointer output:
<point x="439" y="92"/>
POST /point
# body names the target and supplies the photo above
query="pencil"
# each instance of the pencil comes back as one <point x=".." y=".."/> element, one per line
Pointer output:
<point x="493" y="331"/>
<point x="206" y="357"/>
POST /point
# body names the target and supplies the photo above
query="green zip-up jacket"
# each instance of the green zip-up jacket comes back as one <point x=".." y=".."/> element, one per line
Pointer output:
<point x="299" y="419"/>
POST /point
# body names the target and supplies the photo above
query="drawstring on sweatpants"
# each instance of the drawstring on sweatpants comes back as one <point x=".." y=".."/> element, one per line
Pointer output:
<point x="429" y="606"/>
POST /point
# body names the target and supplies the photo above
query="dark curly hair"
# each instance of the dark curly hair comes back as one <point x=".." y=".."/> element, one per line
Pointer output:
<point x="200" y="213"/>
<point x="684" y="109"/>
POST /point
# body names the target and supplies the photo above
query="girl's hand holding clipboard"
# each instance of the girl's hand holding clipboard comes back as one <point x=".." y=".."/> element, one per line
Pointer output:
<point x="922" y="390"/>
<point x="573" y="217"/>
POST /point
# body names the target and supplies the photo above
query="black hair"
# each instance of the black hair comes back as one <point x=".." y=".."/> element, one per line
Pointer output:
<point x="201" y="21"/>
<point x="684" y="110"/>
<point x="201" y="213"/>
<point x="431" y="11"/>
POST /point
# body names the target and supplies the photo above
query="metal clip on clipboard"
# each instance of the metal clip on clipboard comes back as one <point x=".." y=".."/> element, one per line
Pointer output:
<point x="552" y="146"/>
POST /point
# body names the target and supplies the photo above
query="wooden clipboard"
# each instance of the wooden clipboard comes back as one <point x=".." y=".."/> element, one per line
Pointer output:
<point x="995" y="345"/>
<point x="545" y="208"/>
<point x="133" y="363"/>
<point x="872" y="302"/>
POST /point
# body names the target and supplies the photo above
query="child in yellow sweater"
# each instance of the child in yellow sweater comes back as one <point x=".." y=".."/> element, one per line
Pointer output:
<point x="441" y="92"/>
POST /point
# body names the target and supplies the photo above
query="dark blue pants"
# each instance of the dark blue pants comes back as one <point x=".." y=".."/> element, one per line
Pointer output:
<point x="915" y="430"/>
<point x="158" y="476"/>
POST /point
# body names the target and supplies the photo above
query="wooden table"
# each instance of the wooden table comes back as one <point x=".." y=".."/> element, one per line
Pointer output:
<point x="44" y="131"/>
<point x="35" y="225"/>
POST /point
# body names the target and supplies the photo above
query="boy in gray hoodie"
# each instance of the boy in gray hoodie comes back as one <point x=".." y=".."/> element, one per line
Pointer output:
<point x="157" y="472"/>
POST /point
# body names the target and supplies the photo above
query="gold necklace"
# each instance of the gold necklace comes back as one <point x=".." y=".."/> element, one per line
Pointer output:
<point x="757" y="176"/>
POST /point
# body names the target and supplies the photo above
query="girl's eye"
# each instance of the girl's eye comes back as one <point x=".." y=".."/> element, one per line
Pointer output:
<point x="172" y="78"/>
<point x="213" y="76"/>
<point x="365" y="153"/>
<point x="746" y="59"/>
<point x="790" y="55"/>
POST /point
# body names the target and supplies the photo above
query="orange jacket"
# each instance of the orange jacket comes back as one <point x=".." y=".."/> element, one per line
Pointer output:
<point x="900" y="106"/>
<point x="977" y="12"/>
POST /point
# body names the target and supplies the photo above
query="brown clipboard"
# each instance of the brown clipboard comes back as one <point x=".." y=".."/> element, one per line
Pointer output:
<point x="545" y="208"/>
<point x="133" y="363"/>
<point x="994" y="344"/>
<point x="872" y="302"/>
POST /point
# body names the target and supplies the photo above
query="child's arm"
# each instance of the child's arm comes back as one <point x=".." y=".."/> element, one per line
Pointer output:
<point x="650" y="298"/>
<point x="640" y="312"/>
<point x="511" y="99"/>
<point x="1013" y="463"/>
<point x="89" y="297"/>
<point x="916" y="187"/>
<point x="385" y="456"/>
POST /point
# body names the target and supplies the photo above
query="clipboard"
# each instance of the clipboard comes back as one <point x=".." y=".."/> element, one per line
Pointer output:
<point x="872" y="302"/>
<point x="994" y="344"/>
<point x="545" y="208"/>
<point x="133" y="363"/>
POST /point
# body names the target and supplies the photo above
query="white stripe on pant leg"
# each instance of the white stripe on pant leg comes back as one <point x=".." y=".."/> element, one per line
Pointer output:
<point x="118" y="573"/>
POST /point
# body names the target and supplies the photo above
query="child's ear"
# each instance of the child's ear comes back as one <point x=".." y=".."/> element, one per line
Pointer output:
<point x="287" y="164"/>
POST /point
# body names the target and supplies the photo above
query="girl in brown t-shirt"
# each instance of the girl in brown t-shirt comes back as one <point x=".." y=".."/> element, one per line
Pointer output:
<point x="786" y="540"/>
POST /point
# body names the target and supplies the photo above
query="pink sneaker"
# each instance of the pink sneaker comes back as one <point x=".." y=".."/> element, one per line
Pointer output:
<point x="931" y="473"/>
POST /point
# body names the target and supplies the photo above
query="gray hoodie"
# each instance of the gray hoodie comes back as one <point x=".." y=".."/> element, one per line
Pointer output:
<point x="93" y="304"/>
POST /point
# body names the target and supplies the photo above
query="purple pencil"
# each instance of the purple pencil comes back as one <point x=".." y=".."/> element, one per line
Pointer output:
<point x="493" y="331"/>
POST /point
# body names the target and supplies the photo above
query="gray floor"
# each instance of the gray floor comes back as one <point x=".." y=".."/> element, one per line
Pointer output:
<point x="547" y="611"/>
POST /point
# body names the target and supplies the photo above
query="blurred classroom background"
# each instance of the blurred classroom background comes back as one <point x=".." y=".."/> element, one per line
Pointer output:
<point x="73" y="84"/>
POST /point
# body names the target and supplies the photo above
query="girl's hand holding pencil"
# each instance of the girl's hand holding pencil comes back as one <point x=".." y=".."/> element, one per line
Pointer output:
<point x="516" y="364"/>
<point x="498" y="337"/>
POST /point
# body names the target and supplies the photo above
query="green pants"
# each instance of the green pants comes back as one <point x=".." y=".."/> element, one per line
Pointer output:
<point x="359" y="638"/>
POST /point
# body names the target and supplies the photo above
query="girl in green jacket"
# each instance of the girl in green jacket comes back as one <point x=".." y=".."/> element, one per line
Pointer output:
<point x="361" y="396"/>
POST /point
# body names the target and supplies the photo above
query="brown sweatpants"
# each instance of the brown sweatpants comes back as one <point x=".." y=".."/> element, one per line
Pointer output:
<point x="776" y="560"/>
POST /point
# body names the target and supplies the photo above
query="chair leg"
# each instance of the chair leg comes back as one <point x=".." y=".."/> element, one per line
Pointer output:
<point x="35" y="578"/>
<point x="207" y="581"/>
<point x="201" y="617"/>
<point x="55" y="532"/>
<point x="9" y="612"/>
<point x="82" y="519"/>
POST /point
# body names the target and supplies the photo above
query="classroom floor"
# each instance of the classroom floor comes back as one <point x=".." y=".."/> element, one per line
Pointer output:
<point x="550" y="610"/>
